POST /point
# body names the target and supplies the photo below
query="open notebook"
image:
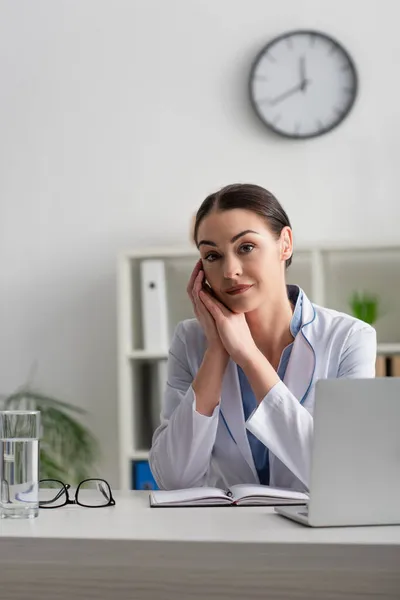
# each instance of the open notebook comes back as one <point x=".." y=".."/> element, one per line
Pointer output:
<point x="237" y="495"/>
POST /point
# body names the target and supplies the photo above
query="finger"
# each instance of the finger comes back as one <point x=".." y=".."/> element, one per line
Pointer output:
<point x="209" y="300"/>
<point x="210" y="304"/>
<point x="199" y="304"/>
<point x="198" y="282"/>
<point x="204" y="315"/>
<point x="198" y="266"/>
<point x="190" y="285"/>
<point x="194" y="295"/>
<point x="197" y="288"/>
<point x="194" y="292"/>
<point x="201" y="311"/>
<point x="197" y="308"/>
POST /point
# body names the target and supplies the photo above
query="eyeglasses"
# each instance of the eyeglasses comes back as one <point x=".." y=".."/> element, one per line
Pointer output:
<point x="92" y="493"/>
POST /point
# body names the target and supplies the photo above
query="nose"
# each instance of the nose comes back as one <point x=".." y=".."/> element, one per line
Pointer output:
<point x="232" y="267"/>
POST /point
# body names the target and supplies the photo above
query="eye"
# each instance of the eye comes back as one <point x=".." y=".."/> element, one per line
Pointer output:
<point x="211" y="257"/>
<point x="246" y="248"/>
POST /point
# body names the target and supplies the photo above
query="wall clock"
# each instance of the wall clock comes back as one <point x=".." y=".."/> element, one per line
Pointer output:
<point x="303" y="84"/>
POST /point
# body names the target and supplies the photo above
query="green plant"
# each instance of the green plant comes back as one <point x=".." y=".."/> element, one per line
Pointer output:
<point x="68" y="450"/>
<point x="364" y="306"/>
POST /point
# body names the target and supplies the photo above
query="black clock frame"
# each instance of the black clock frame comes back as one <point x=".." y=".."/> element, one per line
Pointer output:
<point x="289" y="34"/>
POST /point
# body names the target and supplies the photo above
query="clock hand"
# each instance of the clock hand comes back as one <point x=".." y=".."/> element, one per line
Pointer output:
<point x="301" y="87"/>
<point x="302" y="67"/>
<point x="303" y="79"/>
<point x="286" y="94"/>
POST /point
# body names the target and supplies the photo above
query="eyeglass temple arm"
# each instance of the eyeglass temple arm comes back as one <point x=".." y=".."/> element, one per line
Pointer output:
<point x="60" y="493"/>
<point x="103" y="491"/>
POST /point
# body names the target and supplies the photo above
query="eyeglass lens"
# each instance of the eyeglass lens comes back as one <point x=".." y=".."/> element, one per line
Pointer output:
<point x="52" y="493"/>
<point x="94" y="492"/>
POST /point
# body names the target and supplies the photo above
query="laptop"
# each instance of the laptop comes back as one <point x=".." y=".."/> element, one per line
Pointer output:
<point x="355" y="468"/>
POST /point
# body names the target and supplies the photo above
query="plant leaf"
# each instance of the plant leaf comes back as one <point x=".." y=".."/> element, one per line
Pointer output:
<point x="49" y="468"/>
<point x="25" y="394"/>
<point x="68" y="450"/>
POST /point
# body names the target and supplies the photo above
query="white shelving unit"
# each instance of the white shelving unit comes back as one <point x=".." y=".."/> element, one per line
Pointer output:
<point x="329" y="275"/>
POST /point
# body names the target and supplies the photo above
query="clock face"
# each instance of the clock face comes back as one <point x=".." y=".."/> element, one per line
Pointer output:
<point x="303" y="84"/>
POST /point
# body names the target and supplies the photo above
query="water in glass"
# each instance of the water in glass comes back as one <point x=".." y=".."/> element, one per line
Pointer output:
<point x="19" y="459"/>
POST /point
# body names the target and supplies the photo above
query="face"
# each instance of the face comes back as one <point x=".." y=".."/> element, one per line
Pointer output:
<point x="243" y="261"/>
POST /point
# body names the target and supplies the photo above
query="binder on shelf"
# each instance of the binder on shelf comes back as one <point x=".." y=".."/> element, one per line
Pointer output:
<point x="142" y="477"/>
<point x="154" y="305"/>
<point x="388" y="365"/>
<point x="396" y="365"/>
<point x="380" y="369"/>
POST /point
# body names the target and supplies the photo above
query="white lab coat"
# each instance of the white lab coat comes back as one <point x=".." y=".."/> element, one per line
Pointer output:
<point x="190" y="449"/>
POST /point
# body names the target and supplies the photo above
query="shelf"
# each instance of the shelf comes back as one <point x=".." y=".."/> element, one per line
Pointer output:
<point x="147" y="355"/>
<point x="140" y="455"/>
<point x="388" y="349"/>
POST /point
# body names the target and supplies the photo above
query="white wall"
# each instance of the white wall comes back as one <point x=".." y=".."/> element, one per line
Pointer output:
<point x="118" y="117"/>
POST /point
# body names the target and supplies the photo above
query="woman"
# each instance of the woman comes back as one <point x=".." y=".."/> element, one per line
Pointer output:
<point x="238" y="406"/>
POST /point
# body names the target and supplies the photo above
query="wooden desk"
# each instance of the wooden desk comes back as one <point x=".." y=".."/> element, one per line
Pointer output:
<point x="133" y="552"/>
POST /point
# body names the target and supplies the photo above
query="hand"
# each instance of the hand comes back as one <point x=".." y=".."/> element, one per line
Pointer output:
<point x="232" y="328"/>
<point x="300" y="87"/>
<point x="303" y="79"/>
<point x="203" y="316"/>
<point x="287" y="94"/>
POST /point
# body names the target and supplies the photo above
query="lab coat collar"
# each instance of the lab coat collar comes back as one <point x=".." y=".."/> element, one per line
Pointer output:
<point x="301" y="366"/>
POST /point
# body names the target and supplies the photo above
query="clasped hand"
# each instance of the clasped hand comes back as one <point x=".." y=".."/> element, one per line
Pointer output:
<point x="225" y="330"/>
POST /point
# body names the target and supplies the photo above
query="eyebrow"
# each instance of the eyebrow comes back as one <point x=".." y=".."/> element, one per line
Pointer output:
<point x="235" y="237"/>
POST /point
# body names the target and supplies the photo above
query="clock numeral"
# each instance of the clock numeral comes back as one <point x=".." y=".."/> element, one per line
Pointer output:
<point x="297" y="128"/>
<point x="271" y="58"/>
<point x="319" y="125"/>
<point x="313" y="38"/>
<point x="289" y="43"/>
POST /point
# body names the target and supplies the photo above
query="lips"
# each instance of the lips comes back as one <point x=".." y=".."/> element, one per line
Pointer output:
<point x="238" y="289"/>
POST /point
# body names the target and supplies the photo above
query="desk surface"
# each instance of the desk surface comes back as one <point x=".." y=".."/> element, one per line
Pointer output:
<point x="133" y="519"/>
<point x="133" y="551"/>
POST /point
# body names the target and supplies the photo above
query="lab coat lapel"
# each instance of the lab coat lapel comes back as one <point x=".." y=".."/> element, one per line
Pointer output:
<point x="232" y="412"/>
<point x="301" y="365"/>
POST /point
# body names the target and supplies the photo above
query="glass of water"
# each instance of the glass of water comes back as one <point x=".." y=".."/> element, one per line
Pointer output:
<point x="19" y="464"/>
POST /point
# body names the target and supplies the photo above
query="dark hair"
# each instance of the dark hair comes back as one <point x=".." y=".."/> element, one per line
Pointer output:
<point x="248" y="197"/>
